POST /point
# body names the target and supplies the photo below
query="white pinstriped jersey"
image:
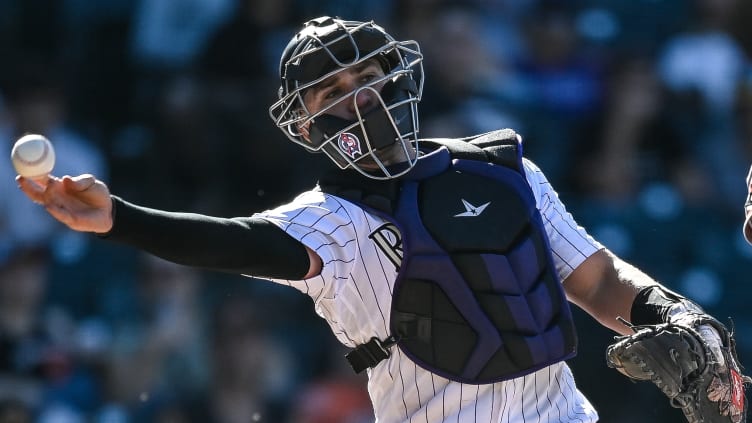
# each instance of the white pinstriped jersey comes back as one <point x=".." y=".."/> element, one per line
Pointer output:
<point x="354" y="291"/>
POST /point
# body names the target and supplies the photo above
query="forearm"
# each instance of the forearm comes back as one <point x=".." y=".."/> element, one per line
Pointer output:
<point x="605" y="287"/>
<point x="237" y="245"/>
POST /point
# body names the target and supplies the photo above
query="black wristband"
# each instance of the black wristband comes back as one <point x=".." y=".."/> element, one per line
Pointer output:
<point x="651" y="305"/>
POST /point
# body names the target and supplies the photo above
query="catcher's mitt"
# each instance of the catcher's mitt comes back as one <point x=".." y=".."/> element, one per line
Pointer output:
<point x="702" y="379"/>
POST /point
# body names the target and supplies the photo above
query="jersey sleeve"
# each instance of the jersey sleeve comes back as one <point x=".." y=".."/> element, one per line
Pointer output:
<point x="324" y="224"/>
<point x="570" y="242"/>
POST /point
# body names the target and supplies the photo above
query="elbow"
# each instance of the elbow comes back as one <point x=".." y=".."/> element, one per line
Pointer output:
<point x="315" y="264"/>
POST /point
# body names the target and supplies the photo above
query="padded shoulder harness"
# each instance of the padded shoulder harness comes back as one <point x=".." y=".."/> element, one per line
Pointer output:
<point x="501" y="147"/>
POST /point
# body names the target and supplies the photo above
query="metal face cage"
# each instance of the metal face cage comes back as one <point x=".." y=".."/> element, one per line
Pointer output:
<point x="381" y="143"/>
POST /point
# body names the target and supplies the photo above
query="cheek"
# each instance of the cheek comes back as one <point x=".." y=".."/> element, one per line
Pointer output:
<point x="312" y="105"/>
<point x="379" y="86"/>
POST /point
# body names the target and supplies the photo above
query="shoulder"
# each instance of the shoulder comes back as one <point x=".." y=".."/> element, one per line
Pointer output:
<point x="330" y="226"/>
<point x="537" y="180"/>
<point x="313" y="201"/>
<point x="532" y="171"/>
<point x="318" y="211"/>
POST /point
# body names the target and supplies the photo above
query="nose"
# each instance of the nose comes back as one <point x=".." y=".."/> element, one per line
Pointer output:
<point x="363" y="100"/>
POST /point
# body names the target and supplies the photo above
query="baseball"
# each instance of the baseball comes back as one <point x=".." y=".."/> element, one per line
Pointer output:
<point x="33" y="156"/>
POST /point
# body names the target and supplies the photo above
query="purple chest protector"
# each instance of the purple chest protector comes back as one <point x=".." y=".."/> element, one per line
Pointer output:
<point x="477" y="298"/>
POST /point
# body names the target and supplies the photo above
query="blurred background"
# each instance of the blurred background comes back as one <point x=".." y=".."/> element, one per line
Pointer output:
<point x="639" y="112"/>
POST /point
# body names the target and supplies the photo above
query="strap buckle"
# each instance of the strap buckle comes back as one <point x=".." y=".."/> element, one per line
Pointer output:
<point x="370" y="354"/>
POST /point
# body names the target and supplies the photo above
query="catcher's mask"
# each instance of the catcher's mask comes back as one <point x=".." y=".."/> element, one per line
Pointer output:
<point x="326" y="46"/>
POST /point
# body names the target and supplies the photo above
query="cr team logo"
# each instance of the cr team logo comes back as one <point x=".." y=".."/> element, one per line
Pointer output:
<point x="389" y="240"/>
<point x="349" y="144"/>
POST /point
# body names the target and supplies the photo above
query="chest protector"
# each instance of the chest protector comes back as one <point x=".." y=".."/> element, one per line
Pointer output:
<point x="477" y="299"/>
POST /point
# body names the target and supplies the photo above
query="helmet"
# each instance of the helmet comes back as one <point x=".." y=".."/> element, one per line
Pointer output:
<point x="326" y="46"/>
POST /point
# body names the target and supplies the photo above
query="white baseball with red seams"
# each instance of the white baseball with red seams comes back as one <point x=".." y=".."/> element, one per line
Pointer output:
<point x="33" y="156"/>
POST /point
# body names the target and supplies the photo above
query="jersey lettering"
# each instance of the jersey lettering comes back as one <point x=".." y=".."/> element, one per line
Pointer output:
<point x="389" y="240"/>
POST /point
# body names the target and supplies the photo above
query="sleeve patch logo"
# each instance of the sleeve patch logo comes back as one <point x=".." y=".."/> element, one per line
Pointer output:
<point x="349" y="144"/>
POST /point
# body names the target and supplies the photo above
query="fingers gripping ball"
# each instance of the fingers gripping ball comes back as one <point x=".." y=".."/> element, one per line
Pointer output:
<point x="679" y="361"/>
<point x="33" y="156"/>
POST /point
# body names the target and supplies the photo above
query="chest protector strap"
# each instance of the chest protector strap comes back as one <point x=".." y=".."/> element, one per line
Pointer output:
<point x="477" y="298"/>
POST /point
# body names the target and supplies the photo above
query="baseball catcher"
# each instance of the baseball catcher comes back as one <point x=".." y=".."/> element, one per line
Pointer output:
<point x="688" y="354"/>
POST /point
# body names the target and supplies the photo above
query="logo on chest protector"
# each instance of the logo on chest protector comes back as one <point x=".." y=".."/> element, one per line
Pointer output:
<point x="471" y="210"/>
<point x="389" y="240"/>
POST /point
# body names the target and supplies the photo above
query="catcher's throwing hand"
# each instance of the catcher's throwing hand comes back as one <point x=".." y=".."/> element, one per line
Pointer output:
<point x="81" y="202"/>
<point x="692" y="359"/>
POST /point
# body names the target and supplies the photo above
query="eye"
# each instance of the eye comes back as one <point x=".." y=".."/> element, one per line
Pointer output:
<point x="331" y="94"/>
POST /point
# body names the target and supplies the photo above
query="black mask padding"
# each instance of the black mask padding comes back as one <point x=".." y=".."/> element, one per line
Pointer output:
<point x="379" y="129"/>
<point x="324" y="126"/>
<point x="333" y="149"/>
<point x="314" y="65"/>
<point x="376" y="122"/>
<point x="400" y="89"/>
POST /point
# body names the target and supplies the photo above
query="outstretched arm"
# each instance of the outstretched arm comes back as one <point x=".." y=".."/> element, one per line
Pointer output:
<point x="243" y="245"/>
<point x="687" y="353"/>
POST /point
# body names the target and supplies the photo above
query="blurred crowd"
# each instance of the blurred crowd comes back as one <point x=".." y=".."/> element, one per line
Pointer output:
<point x="639" y="112"/>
